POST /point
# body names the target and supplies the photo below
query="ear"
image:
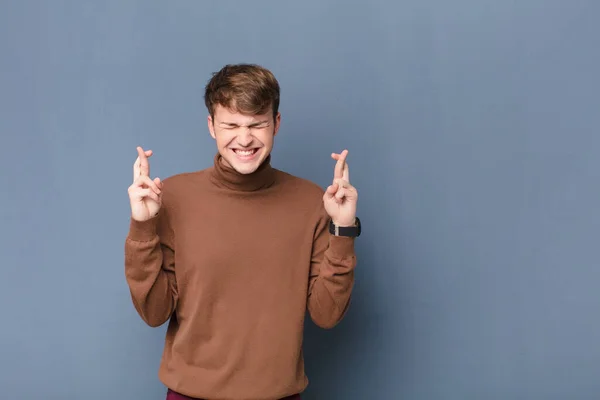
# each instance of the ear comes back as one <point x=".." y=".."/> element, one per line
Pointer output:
<point x="277" y="123"/>
<point x="211" y="127"/>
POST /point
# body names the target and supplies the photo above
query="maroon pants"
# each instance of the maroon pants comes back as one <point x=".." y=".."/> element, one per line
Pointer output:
<point x="172" y="395"/>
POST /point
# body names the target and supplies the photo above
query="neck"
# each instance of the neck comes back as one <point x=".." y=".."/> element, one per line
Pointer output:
<point x="225" y="176"/>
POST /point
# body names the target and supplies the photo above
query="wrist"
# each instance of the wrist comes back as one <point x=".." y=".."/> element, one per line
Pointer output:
<point x="142" y="230"/>
<point x="344" y="223"/>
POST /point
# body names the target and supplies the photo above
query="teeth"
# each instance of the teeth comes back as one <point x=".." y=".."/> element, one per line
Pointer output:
<point x="245" y="152"/>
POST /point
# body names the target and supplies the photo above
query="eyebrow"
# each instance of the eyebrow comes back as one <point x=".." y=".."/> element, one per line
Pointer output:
<point x="266" y="121"/>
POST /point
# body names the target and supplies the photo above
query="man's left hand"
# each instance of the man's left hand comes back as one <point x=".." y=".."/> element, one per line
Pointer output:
<point x="341" y="197"/>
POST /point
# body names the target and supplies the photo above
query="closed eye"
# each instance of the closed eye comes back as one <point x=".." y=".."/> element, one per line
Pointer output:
<point x="259" y="125"/>
<point x="229" y="126"/>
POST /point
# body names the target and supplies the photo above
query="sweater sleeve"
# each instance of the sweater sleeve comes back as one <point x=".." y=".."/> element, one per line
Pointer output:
<point x="150" y="268"/>
<point x="331" y="275"/>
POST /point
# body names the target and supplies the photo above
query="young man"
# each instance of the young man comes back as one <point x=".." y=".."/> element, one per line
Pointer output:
<point x="233" y="255"/>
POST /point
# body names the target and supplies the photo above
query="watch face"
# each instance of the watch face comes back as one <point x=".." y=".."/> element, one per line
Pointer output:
<point x="358" y="227"/>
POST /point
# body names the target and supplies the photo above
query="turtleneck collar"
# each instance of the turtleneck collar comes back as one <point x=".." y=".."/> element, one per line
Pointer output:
<point x="228" y="177"/>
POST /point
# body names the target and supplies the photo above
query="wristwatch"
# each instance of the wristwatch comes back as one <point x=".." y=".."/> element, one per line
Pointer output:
<point x="348" y="231"/>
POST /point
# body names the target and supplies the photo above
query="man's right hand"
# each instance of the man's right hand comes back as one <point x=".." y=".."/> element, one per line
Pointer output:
<point x="145" y="194"/>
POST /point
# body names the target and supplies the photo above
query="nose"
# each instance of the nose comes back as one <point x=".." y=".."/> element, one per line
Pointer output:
<point x="245" y="138"/>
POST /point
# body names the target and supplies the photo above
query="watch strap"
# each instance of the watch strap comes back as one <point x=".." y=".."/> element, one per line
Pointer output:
<point x="347" y="231"/>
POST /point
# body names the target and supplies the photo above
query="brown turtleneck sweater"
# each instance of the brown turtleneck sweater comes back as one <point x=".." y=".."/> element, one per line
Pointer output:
<point x="233" y="261"/>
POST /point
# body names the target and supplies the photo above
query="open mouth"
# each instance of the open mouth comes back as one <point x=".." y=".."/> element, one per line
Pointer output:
<point x="245" y="153"/>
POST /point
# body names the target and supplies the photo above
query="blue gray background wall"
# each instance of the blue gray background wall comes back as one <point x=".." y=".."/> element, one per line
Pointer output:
<point x="473" y="130"/>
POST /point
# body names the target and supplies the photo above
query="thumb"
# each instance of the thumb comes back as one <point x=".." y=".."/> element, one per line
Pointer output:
<point x="331" y="189"/>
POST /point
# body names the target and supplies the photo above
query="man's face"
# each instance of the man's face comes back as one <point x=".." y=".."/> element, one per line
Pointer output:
<point x="244" y="141"/>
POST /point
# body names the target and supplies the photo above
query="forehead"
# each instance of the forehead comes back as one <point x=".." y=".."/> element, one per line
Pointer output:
<point x="224" y="114"/>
